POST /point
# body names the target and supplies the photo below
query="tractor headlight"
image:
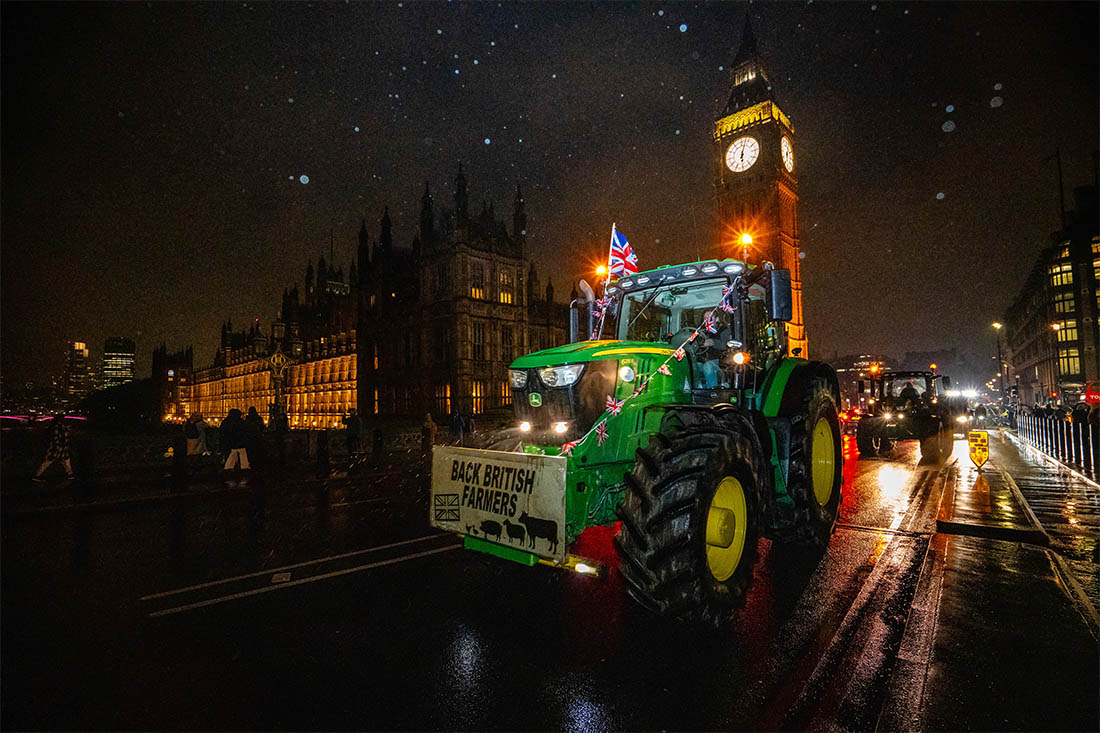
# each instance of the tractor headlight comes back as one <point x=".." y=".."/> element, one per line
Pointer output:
<point x="901" y="416"/>
<point x="626" y="374"/>
<point x="962" y="418"/>
<point x="887" y="416"/>
<point x="560" y="427"/>
<point x="519" y="378"/>
<point x="561" y="376"/>
<point x="525" y="427"/>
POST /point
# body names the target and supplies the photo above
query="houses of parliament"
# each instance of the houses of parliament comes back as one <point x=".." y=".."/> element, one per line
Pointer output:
<point x="430" y="328"/>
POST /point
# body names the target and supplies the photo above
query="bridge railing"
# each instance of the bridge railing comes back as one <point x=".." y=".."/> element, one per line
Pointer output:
<point x="1073" y="438"/>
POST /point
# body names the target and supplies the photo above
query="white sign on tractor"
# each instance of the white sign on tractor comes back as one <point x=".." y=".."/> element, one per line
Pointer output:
<point x="512" y="499"/>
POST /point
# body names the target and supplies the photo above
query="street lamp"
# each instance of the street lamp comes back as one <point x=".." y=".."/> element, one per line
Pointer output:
<point x="1000" y="361"/>
<point x="601" y="270"/>
<point x="746" y="242"/>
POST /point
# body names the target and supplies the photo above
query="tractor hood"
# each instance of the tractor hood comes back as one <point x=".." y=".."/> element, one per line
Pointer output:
<point x="590" y="351"/>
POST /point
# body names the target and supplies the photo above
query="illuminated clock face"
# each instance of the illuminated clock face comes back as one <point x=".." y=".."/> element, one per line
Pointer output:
<point x="742" y="153"/>
<point x="788" y="154"/>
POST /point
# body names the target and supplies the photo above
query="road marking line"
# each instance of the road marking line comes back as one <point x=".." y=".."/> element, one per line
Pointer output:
<point x="272" y="571"/>
<point x="325" y="576"/>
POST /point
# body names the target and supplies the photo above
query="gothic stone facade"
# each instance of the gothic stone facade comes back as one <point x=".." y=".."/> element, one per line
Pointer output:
<point x="431" y="328"/>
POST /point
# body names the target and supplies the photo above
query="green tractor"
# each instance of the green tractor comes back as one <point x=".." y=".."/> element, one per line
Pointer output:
<point x="907" y="404"/>
<point x="683" y="419"/>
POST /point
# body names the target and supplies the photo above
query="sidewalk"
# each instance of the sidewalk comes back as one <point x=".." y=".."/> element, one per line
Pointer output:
<point x="1013" y="643"/>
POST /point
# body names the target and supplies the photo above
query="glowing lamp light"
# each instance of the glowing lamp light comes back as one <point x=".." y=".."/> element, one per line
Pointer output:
<point x="997" y="325"/>
<point x="746" y="239"/>
<point x="601" y="270"/>
<point x="740" y="358"/>
<point x="525" y="426"/>
<point x="560" y="427"/>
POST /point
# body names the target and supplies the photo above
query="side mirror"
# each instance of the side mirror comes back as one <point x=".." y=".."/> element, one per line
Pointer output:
<point x="862" y="387"/>
<point x="777" y="287"/>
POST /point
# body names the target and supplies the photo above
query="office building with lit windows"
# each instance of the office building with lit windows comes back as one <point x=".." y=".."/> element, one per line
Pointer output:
<point x="1051" y="328"/>
<point x="429" y="328"/>
<point x="118" y="361"/>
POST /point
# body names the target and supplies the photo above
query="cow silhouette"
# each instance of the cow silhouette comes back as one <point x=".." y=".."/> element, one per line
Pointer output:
<point x="490" y="528"/>
<point x="515" y="532"/>
<point x="540" y="528"/>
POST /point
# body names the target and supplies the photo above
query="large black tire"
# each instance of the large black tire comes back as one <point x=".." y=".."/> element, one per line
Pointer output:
<point x="816" y="493"/>
<point x="931" y="443"/>
<point x="665" y="559"/>
<point x="864" y="442"/>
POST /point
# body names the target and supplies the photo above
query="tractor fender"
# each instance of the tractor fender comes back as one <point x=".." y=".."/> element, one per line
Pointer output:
<point x="786" y="387"/>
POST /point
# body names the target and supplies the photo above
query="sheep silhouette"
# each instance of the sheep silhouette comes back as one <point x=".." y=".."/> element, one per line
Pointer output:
<point x="515" y="532"/>
<point x="540" y="528"/>
<point x="490" y="528"/>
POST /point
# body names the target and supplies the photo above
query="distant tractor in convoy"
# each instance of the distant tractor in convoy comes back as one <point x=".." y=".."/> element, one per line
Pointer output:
<point x="683" y="419"/>
<point x="903" y="405"/>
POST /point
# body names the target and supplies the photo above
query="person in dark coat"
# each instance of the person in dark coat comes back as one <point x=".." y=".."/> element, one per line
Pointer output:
<point x="353" y="426"/>
<point x="254" y="436"/>
<point x="58" y="449"/>
<point x="234" y="441"/>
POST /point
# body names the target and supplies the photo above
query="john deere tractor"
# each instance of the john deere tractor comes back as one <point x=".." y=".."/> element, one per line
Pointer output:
<point x="684" y="420"/>
<point x="903" y="405"/>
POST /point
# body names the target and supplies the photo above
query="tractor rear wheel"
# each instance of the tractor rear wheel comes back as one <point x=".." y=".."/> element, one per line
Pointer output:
<point x="691" y="517"/>
<point x="815" y="472"/>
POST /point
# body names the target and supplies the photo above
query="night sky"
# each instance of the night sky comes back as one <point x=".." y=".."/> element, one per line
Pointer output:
<point x="155" y="157"/>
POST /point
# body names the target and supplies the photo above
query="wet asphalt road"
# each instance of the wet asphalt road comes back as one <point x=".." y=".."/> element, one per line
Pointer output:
<point x="290" y="607"/>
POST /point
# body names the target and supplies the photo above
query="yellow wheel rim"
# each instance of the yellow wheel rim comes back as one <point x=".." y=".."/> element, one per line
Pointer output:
<point x="727" y="524"/>
<point x="823" y="471"/>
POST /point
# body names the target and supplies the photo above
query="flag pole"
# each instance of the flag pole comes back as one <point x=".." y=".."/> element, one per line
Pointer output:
<point x="606" y="280"/>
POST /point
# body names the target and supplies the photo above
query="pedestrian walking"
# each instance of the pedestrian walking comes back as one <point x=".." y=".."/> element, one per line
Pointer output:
<point x="58" y="449"/>
<point x="233" y="441"/>
<point x="353" y="426"/>
<point x="195" y="432"/>
<point x="456" y="428"/>
<point x="427" y="433"/>
<point x="254" y="437"/>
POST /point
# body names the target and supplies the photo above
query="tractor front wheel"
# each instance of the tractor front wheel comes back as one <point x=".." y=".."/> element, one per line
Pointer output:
<point x="691" y="517"/>
<point x="815" y="474"/>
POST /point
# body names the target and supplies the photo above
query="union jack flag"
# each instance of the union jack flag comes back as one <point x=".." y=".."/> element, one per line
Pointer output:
<point x="601" y="303"/>
<point x="663" y="369"/>
<point x="643" y="388"/>
<point x="613" y="405"/>
<point x="710" y="323"/>
<point x="726" y="290"/>
<point x="728" y="308"/>
<point x="567" y="449"/>
<point x="692" y="336"/>
<point x="679" y="354"/>
<point x="622" y="261"/>
<point x="601" y="433"/>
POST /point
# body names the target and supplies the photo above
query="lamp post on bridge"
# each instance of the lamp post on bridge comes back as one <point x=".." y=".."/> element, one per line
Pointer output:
<point x="1000" y="361"/>
<point x="278" y="362"/>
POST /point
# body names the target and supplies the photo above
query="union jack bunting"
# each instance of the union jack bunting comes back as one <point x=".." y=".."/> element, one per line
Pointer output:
<point x="726" y="290"/>
<point x="692" y="336"/>
<point x="601" y="433"/>
<point x="613" y="405"/>
<point x="622" y="260"/>
<point x="643" y="388"/>
<point x="710" y="323"/>
<point x="601" y="303"/>
<point x="728" y="308"/>
<point x="567" y="449"/>
<point x="679" y="354"/>
<point x="663" y="369"/>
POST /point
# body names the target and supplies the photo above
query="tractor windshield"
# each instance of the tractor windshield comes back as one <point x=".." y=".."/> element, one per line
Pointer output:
<point x="666" y="312"/>
<point x="900" y="388"/>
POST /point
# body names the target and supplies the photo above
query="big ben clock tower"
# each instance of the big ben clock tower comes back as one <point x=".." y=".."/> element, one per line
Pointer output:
<point x="755" y="181"/>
